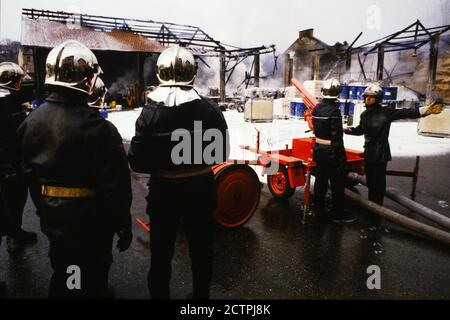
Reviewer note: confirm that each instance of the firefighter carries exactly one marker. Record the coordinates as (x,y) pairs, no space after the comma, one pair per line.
(13,189)
(329,154)
(77,169)
(180,192)
(97,98)
(375,124)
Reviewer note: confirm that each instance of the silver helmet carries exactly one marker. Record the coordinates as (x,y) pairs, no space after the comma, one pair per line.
(72,65)
(331,89)
(11,76)
(176,67)
(374,90)
(98,94)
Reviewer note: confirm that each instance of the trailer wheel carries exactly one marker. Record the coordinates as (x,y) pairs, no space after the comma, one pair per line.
(240,109)
(278,184)
(238,192)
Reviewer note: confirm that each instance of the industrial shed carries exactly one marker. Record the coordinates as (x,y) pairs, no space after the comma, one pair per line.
(123,56)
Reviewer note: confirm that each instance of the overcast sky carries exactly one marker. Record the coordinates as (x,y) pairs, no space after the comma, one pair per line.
(249,23)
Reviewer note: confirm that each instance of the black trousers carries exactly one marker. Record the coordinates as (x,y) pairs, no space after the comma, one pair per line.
(324,172)
(13,196)
(171,204)
(376,180)
(94,261)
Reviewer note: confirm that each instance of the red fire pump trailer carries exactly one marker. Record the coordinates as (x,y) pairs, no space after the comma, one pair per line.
(239,188)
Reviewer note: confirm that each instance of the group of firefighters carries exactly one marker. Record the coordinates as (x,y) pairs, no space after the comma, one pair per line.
(74,165)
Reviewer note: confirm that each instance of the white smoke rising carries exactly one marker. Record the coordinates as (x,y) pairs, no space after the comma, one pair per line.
(210,77)
(120,86)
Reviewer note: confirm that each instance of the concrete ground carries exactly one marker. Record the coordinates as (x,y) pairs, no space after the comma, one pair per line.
(275,256)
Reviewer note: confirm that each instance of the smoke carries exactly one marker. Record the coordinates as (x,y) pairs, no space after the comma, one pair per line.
(209,77)
(439,15)
(120,86)
(273,71)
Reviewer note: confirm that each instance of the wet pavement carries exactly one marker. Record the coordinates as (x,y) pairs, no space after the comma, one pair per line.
(275,256)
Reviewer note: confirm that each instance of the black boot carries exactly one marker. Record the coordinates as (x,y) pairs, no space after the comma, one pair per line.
(17,242)
(344,217)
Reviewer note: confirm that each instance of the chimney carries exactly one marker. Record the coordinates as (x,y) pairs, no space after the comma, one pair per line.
(306,33)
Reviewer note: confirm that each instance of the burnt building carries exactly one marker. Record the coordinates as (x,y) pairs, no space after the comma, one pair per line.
(127,49)
(415,57)
(309,58)
(127,59)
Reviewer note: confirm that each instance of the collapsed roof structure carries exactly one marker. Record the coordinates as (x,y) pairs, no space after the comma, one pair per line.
(45,29)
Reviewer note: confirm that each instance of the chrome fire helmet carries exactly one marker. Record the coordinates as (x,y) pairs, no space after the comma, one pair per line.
(98,93)
(72,65)
(331,89)
(176,67)
(11,76)
(374,90)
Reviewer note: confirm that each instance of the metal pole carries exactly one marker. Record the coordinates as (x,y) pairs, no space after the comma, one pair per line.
(380,62)
(222,77)
(306,196)
(140,69)
(432,69)
(256,71)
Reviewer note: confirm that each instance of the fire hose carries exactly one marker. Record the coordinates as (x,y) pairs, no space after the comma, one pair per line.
(408,203)
(402,220)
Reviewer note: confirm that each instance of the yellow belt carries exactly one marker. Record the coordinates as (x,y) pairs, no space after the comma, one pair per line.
(182,173)
(323,141)
(64,192)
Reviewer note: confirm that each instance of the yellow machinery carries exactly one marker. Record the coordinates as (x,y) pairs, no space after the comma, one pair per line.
(134,95)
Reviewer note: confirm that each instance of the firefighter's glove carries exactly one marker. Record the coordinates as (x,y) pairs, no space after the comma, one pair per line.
(124,242)
(348,130)
(434,108)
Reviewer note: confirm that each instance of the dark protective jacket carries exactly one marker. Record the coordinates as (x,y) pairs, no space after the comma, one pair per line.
(154,145)
(327,122)
(11,116)
(67,144)
(375,124)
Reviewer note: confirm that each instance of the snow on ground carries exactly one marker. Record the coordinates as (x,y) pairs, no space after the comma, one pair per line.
(404,139)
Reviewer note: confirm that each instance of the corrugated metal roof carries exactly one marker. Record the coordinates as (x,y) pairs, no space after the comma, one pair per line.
(48,34)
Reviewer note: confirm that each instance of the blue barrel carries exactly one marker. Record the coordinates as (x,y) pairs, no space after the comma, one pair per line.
(345,92)
(351,109)
(352,92)
(342,107)
(103,113)
(390,93)
(300,109)
(360,91)
(292,114)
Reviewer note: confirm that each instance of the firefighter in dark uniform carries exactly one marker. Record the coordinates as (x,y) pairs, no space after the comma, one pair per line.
(77,169)
(180,192)
(375,124)
(329,154)
(13,189)
(97,98)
